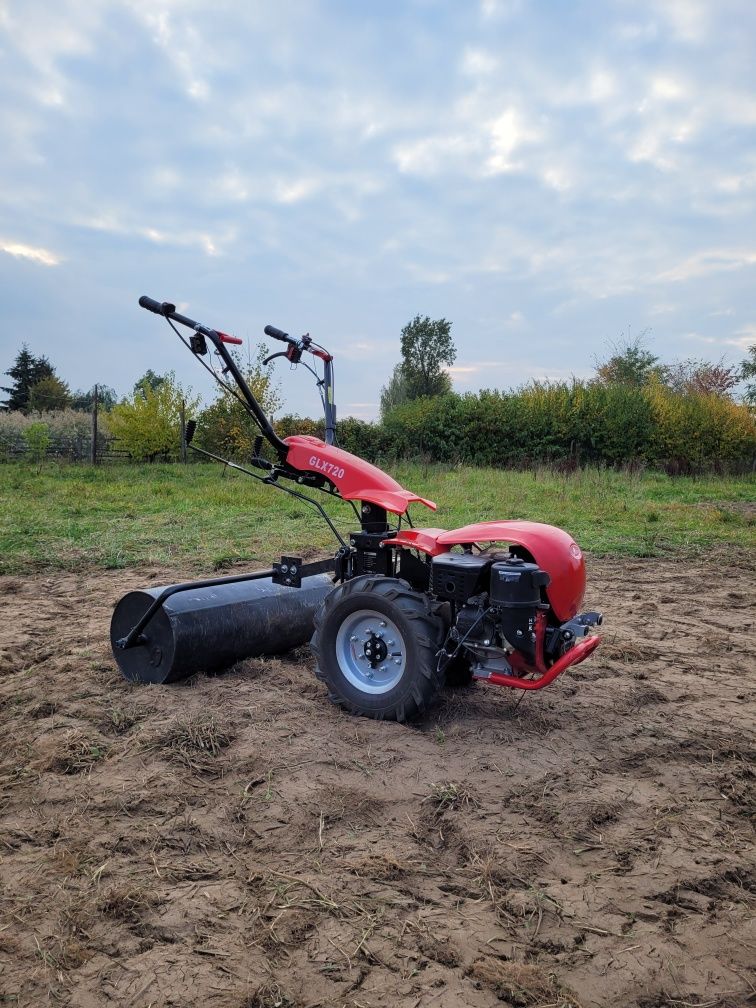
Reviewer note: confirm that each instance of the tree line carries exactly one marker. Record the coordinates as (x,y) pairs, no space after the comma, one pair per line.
(37,388)
(421,414)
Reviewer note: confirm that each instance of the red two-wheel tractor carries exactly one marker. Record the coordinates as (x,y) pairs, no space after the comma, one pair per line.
(401,611)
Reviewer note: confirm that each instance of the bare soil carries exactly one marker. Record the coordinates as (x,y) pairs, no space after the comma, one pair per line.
(236,841)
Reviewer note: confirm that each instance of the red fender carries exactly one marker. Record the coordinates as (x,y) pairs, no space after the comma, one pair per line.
(554,550)
(354,478)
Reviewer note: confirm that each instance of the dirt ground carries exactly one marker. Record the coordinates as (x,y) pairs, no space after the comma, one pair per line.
(236,841)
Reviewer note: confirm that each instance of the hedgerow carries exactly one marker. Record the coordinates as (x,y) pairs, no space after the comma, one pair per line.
(579,423)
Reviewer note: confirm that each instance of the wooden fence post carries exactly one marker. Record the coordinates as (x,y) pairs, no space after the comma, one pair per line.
(183,431)
(94,426)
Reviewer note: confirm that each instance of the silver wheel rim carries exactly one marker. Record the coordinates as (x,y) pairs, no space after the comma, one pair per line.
(362,628)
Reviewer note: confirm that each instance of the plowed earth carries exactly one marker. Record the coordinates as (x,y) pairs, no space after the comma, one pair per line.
(237,841)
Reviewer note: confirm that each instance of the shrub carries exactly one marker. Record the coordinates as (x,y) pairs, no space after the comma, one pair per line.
(576,423)
(37,438)
(148,424)
(70,432)
(226,427)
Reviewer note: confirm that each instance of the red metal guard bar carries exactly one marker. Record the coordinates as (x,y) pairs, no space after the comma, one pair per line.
(575,655)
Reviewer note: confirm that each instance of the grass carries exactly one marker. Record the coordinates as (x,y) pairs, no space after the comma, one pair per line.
(201,518)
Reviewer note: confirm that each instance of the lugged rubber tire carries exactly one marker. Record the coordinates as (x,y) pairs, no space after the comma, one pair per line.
(422,630)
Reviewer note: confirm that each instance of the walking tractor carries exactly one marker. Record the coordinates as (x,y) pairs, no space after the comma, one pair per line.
(398,610)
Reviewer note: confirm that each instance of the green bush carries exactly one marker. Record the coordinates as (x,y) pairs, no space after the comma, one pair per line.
(147,425)
(70,432)
(575,423)
(566,425)
(37,438)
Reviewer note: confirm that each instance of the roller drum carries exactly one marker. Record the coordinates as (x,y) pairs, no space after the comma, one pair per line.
(206,629)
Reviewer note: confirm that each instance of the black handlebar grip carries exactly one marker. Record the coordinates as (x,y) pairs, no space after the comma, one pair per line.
(150,304)
(278,334)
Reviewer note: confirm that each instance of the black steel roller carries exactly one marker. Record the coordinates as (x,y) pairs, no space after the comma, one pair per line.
(207,629)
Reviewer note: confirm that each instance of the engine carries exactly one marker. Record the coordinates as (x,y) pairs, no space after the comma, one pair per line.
(501,618)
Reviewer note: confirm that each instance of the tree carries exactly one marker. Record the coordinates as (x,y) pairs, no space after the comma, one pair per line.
(154,381)
(748,370)
(426,345)
(225,426)
(49,393)
(395,393)
(631,363)
(106,398)
(149,423)
(26,372)
(701,377)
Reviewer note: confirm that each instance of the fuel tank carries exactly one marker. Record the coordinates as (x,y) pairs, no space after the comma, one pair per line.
(207,629)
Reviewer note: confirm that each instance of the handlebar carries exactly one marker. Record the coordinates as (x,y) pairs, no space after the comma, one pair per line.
(150,304)
(278,334)
(297,347)
(293,353)
(168,310)
(218,338)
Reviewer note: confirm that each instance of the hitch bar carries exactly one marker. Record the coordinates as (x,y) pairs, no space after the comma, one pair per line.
(279,576)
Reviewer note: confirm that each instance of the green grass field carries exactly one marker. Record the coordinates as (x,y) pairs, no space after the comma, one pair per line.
(198,517)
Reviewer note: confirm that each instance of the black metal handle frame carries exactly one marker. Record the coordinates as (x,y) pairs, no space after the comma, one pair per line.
(281,469)
(168,311)
(230,367)
(272,480)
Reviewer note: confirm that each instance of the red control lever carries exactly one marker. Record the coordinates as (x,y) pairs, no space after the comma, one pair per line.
(225,338)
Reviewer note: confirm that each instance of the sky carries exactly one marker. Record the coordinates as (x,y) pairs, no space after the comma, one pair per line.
(549,176)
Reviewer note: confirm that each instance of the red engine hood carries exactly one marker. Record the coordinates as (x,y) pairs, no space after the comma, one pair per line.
(354,478)
(554,550)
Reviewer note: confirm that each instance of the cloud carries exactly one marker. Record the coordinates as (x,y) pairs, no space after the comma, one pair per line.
(110,223)
(296,189)
(689,19)
(181,44)
(506,133)
(360,410)
(744,338)
(531,174)
(460,370)
(38,255)
(710,261)
(511,372)
(491,9)
(478,62)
